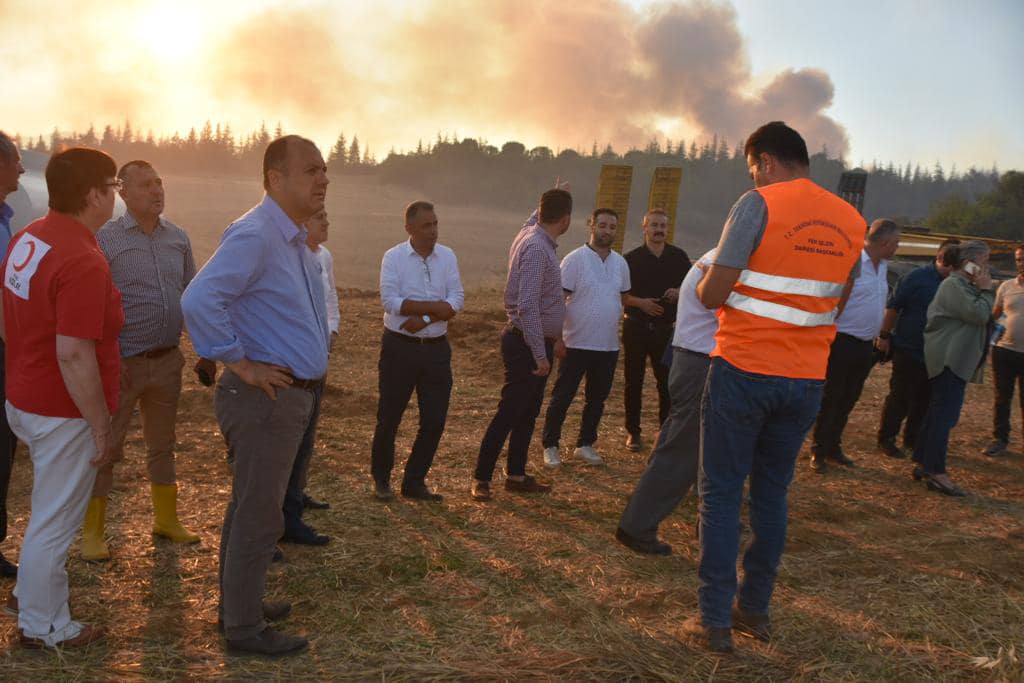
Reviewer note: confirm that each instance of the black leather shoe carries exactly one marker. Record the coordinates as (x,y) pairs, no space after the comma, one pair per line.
(757,626)
(420,492)
(634,442)
(639,545)
(713,638)
(917,473)
(843,458)
(946,487)
(269,643)
(314,504)
(889,448)
(7,568)
(304,535)
(382,491)
(818,463)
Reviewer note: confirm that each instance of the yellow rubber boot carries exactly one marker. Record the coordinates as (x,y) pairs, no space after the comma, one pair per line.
(93,547)
(165,515)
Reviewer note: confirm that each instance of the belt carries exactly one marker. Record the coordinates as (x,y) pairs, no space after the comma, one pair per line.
(856,339)
(648,323)
(515,330)
(416,340)
(307,384)
(155,353)
(692,352)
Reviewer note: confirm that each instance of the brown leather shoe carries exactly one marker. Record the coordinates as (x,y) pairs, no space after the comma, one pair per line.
(269,643)
(757,626)
(88,635)
(480,490)
(714,638)
(527,485)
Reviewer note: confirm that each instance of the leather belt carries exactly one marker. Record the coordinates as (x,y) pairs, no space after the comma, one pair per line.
(515,330)
(307,384)
(416,340)
(155,353)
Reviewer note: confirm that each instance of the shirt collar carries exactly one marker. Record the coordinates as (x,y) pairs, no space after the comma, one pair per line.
(6,212)
(71,225)
(544,233)
(289,230)
(409,251)
(128,221)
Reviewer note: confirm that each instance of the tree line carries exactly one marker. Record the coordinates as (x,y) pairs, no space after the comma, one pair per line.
(471,171)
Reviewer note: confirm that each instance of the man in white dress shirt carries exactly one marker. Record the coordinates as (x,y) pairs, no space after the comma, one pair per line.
(296,530)
(421,291)
(853,354)
(595,280)
(672,467)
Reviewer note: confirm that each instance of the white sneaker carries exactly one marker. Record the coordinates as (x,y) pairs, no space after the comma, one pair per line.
(589,455)
(551,457)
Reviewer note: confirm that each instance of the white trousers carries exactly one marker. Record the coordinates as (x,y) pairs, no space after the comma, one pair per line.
(61,449)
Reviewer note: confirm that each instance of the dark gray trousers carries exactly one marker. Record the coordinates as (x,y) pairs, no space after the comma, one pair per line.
(672,467)
(263,436)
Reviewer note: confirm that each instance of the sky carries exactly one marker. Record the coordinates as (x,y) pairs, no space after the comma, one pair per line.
(920,81)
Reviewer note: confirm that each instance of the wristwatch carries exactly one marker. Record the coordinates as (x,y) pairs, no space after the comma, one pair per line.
(426,319)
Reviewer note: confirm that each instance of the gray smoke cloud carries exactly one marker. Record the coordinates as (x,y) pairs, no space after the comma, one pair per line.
(542,72)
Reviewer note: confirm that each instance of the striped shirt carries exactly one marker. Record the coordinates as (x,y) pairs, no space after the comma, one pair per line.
(534,301)
(151,271)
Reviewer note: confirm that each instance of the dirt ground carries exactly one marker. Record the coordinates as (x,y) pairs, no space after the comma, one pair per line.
(882,580)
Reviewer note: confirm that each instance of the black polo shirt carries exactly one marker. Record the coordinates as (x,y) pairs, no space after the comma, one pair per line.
(650,276)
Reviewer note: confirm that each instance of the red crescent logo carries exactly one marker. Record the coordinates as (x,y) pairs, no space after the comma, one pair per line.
(31,251)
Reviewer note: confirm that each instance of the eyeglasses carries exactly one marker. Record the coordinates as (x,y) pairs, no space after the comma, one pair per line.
(426,268)
(116,184)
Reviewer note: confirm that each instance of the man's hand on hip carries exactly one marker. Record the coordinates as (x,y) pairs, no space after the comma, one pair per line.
(263,375)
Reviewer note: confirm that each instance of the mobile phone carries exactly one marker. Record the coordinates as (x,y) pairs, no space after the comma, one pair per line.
(972,268)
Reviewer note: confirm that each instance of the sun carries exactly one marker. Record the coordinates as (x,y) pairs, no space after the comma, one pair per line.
(176,31)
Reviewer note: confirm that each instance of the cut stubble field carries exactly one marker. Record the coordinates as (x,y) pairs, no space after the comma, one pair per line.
(881,580)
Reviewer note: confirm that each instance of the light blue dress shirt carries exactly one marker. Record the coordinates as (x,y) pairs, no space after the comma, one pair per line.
(260,296)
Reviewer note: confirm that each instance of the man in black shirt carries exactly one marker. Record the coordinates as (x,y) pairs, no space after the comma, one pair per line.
(656,269)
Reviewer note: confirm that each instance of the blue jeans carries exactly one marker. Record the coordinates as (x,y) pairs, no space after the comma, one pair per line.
(599,367)
(752,425)
(944,404)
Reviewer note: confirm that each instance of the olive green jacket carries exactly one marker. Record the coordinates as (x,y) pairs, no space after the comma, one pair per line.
(957,329)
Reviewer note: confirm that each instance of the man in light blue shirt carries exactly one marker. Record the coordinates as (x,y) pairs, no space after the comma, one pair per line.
(258,307)
(10,170)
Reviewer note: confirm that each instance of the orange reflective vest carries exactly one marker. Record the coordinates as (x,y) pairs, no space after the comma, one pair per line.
(780,317)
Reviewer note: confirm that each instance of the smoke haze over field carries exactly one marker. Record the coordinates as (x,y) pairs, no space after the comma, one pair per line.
(541,72)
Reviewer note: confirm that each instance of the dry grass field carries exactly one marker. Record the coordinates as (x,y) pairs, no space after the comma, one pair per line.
(881,580)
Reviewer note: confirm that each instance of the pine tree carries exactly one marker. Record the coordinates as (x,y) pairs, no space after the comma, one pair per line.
(353,152)
(339,153)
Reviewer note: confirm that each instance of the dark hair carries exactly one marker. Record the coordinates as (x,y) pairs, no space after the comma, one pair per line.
(414,208)
(8,150)
(598,212)
(949,253)
(555,205)
(73,173)
(276,155)
(137,163)
(780,141)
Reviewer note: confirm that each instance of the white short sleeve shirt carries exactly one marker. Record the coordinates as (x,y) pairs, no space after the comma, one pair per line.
(696,325)
(593,305)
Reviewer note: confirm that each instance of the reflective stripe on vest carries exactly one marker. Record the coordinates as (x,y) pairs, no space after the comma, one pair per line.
(790,285)
(785,314)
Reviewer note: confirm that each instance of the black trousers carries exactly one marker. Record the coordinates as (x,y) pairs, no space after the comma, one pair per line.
(516,417)
(599,368)
(8,442)
(404,367)
(909,391)
(642,342)
(849,363)
(1008,369)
